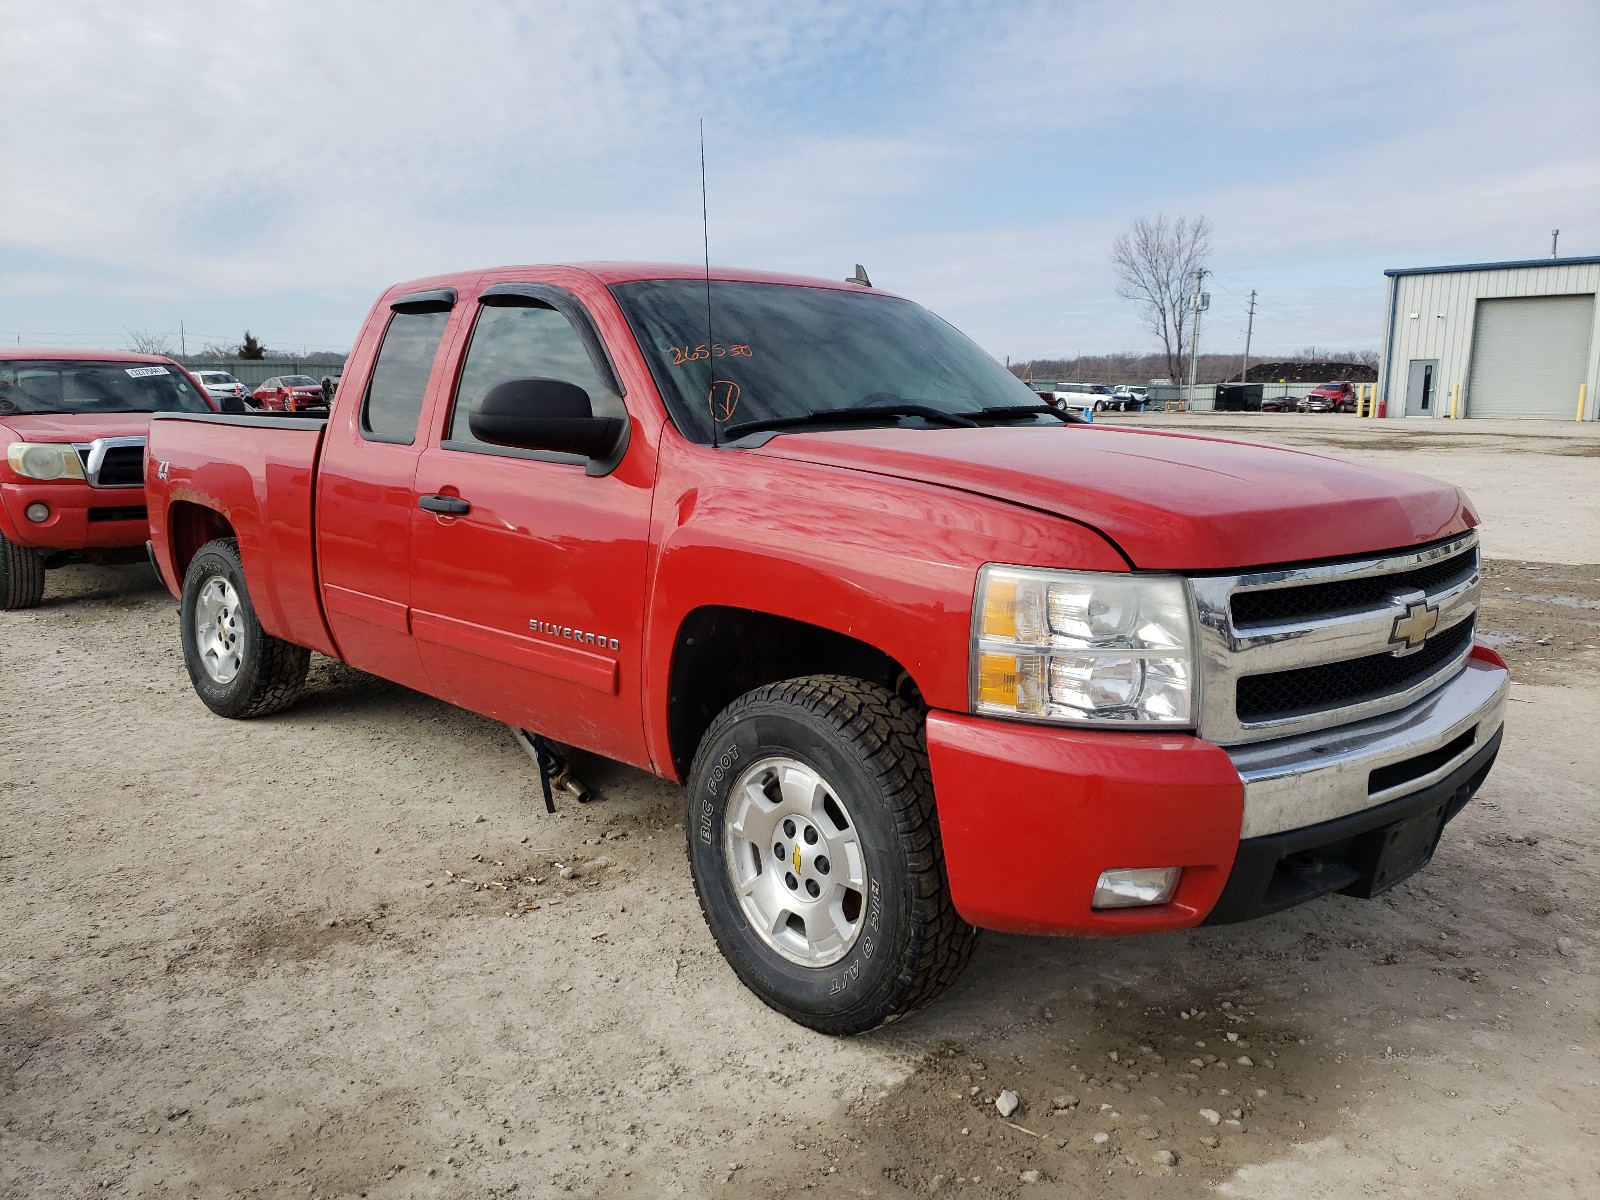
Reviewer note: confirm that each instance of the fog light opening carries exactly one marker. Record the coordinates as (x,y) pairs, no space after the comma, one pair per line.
(38,512)
(1132,887)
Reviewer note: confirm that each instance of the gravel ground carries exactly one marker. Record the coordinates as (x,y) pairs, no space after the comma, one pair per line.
(344,952)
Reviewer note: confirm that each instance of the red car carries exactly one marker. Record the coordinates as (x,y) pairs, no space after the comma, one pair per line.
(72,427)
(290,393)
(928,656)
(1330,397)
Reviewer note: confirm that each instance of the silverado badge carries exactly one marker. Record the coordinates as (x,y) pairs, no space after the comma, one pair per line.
(1411,629)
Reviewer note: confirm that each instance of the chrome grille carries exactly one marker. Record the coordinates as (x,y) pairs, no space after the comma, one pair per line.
(113,462)
(1344,595)
(1284,694)
(1296,649)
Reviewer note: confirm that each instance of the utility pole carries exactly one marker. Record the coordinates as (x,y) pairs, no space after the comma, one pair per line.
(1244,369)
(183,341)
(1554,234)
(1194,337)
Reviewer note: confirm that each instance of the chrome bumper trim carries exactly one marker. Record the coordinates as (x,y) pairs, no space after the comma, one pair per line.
(1297,781)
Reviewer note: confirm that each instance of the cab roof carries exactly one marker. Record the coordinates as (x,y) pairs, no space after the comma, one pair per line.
(608,273)
(77,354)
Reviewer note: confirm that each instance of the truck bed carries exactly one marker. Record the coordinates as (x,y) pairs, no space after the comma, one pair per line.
(259,472)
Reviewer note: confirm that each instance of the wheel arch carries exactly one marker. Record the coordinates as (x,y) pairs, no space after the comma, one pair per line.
(190,526)
(720,653)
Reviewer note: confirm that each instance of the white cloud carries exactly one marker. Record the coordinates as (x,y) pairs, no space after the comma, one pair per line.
(274,164)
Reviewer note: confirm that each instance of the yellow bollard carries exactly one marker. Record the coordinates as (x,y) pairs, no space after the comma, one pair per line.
(1455,401)
(1583,396)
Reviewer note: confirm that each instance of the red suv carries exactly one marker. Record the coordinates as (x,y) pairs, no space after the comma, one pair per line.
(289,393)
(1330,397)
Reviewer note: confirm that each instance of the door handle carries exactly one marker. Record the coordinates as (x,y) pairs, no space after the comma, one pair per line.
(447,506)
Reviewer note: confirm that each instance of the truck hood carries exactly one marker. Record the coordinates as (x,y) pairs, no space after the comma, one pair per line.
(1169,501)
(73,427)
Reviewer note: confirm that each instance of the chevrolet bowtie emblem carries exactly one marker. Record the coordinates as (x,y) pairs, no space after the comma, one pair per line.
(1412,628)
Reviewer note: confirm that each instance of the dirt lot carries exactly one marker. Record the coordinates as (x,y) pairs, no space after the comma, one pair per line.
(335,953)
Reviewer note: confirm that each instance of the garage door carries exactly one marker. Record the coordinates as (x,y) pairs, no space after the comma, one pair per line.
(1529,355)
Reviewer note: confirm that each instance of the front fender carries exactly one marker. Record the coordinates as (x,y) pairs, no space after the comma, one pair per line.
(888,562)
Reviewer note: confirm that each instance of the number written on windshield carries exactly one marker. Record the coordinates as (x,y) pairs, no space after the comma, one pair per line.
(689,354)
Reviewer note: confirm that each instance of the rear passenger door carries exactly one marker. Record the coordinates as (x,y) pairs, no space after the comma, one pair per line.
(364,492)
(528,602)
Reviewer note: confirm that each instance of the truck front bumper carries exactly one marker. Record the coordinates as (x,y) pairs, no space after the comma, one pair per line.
(1031,816)
(80,518)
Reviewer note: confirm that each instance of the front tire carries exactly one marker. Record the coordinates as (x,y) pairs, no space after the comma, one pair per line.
(814,846)
(21,575)
(238,669)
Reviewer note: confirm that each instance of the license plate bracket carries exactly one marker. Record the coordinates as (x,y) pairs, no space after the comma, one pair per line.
(1390,855)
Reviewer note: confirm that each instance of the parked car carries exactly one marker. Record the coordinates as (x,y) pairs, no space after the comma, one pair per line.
(928,657)
(1128,398)
(1078,403)
(72,425)
(1339,396)
(290,394)
(222,387)
(1281,404)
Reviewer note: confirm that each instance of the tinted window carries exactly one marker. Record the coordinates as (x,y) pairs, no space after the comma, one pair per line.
(400,377)
(55,386)
(782,351)
(524,340)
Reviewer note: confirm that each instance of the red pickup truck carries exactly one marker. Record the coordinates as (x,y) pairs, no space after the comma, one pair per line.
(929,655)
(72,424)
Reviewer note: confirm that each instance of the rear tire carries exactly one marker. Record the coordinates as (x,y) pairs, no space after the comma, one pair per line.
(238,669)
(814,846)
(21,575)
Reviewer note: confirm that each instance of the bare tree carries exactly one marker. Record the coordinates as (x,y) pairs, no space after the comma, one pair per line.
(142,342)
(1156,262)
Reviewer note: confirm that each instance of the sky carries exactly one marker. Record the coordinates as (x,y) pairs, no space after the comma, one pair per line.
(215,165)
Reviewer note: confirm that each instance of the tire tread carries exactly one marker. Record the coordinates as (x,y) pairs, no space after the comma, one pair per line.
(21,576)
(280,667)
(888,734)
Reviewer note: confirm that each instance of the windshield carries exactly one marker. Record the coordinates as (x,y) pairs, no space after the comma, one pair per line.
(783,350)
(299,381)
(52,386)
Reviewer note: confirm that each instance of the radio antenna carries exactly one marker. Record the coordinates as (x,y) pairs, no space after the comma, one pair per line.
(705,232)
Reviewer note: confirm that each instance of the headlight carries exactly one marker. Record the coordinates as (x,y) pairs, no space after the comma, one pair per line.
(44,460)
(1080,647)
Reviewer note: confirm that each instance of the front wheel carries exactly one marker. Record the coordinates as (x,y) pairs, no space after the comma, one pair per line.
(815,851)
(238,668)
(21,575)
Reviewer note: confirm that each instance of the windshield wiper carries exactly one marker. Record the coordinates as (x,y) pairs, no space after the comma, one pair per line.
(1006,410)
(854,415)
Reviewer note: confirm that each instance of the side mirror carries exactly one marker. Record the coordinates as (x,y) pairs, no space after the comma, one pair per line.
(543,414)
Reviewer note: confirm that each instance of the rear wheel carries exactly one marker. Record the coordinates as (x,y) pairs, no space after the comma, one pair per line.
(815,851)
(21,575)
(238,668)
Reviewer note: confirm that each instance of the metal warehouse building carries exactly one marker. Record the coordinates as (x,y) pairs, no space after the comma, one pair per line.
(1513,339)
